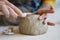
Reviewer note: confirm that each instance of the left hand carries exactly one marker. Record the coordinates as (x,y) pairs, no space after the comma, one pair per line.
(45,8)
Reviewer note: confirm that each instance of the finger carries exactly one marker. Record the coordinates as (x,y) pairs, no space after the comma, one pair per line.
(39,12)
(2,0)
(5,11)
(12,12)
(18,11)
(0,7)
(1,3)
(45,21)
(51,24)
(43,16)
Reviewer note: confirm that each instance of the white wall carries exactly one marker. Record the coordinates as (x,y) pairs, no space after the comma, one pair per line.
(56,16)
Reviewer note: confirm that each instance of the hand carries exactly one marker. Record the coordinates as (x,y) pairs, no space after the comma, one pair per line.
(9,10)
(45,8)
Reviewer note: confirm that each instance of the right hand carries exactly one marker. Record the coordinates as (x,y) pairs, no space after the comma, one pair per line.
(10,10)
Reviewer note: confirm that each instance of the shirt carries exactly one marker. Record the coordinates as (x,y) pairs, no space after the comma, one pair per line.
(27,5)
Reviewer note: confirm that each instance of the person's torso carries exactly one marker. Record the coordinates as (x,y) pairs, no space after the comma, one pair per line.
(29,5)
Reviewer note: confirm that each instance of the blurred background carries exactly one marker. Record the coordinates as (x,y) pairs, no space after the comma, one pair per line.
(56,16)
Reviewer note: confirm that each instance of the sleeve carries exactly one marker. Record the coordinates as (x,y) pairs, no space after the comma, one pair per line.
(50,2)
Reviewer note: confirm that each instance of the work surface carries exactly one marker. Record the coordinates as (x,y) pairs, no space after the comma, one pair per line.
(53,33)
